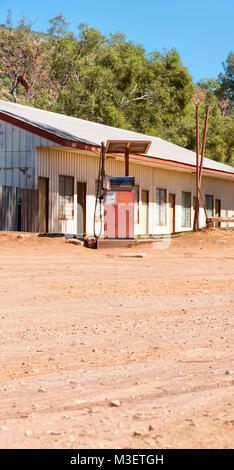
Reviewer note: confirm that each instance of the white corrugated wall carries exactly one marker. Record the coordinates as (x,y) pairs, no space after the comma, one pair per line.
(52,162)
(17,155)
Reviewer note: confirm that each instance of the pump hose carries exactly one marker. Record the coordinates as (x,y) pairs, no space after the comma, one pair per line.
(95,209)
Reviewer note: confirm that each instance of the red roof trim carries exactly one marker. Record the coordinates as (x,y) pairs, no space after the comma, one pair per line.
(161,161)
(46,134)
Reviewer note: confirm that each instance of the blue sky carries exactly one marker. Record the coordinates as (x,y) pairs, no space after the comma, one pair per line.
(202,30)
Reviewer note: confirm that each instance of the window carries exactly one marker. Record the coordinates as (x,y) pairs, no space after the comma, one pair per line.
(160,206)
(209,203)
(66,197)
(136,205)
(186,209)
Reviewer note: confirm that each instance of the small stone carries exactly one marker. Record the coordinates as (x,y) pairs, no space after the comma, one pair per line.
(54,433)
(91,242)
(79,402)
(36,371)
(28,433)
(138,433)
(74,241)
(229,372)
(150,428)
(3,428)
(93,410)
(115,403)
(132,255)
(41,389)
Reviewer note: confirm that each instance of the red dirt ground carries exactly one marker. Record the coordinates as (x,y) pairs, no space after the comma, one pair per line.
(80,328)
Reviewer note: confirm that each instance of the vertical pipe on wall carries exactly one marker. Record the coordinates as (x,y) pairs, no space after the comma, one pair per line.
(103,162)
(203,145)
(127,162)
(196,218)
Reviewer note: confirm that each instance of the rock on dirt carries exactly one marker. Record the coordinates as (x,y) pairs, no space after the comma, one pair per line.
(115,403)
(133,255)
(90,242)
(74,241)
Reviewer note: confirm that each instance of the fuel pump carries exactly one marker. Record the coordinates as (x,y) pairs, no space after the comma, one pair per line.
(117,193)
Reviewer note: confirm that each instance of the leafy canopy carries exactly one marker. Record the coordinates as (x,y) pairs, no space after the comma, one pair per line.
(114,81)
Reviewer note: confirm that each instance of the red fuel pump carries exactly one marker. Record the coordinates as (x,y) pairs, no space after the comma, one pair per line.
(119,208)
(117,192)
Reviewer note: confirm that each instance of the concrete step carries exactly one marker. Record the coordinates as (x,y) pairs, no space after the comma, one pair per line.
(115,243)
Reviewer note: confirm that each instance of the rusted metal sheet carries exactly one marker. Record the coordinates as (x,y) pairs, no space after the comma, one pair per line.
(30,210)
(9,208)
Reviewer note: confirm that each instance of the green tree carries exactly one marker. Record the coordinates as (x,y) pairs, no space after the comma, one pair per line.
(114,81)
(226,79)
(17,54)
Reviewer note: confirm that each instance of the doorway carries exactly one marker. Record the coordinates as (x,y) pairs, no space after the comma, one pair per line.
(194,207)
(144,212)
(43,187)
(217,211)
(172,213)
(81,209)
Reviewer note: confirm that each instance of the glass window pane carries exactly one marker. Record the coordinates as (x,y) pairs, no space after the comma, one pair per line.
(65,199)
(186,209)
(209,204)
(160,206)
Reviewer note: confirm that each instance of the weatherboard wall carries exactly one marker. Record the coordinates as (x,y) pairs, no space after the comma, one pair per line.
(52,162)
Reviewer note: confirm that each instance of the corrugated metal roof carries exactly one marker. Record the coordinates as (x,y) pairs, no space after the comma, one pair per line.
(92,133)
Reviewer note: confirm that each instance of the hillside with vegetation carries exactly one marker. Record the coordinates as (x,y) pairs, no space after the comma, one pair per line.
(114,81)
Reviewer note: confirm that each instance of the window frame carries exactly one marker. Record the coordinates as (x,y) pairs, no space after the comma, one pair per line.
(64,217)
(210,196)
(184,208)
(159,205)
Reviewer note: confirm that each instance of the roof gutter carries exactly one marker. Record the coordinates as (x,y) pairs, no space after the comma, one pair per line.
(173,163)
